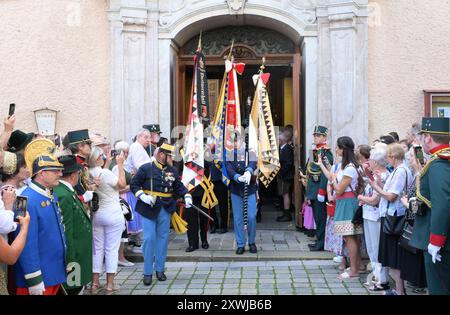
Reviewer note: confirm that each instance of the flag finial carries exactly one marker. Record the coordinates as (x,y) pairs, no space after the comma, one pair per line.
(263,64)
(200,41)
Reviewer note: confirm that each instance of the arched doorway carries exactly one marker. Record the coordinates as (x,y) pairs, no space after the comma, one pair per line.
(251,44)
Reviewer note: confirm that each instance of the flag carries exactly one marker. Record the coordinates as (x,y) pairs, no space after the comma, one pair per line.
(228,118)
(262,138)
(193,157)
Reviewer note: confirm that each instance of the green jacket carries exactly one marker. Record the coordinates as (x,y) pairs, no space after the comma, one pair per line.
(78,230)
(433,188)
(314,173)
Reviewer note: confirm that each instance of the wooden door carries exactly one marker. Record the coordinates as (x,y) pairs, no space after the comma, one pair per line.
(298,133)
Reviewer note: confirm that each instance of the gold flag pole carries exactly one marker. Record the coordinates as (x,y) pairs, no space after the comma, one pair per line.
(231,50)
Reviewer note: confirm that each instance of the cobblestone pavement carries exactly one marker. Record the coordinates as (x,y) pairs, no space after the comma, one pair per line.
(308,277)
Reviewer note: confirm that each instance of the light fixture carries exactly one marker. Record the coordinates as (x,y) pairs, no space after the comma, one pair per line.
(46,121)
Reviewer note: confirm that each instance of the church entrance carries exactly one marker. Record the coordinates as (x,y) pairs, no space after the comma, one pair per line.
(283,62)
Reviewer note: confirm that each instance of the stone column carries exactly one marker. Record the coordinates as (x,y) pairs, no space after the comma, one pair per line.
(311,84)
(134,74)
(343,51)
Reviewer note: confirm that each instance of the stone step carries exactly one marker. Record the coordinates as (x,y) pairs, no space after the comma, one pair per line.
(230,255)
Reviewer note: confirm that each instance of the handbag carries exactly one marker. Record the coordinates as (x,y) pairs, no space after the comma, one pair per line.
(392,224)
(405,238)
(331,208)
(308,216)
(358,216)
(126,210)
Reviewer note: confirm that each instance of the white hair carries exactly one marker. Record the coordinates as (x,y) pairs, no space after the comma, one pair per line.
(378,153)
(93,156)
(141,132)
(122,146)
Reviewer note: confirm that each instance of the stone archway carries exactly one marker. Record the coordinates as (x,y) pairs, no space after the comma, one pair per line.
(146,36)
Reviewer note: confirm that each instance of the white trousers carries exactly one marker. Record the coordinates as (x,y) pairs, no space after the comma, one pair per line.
(372,230)
(107,233)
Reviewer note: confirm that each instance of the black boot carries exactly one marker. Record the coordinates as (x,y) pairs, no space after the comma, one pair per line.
(286,217)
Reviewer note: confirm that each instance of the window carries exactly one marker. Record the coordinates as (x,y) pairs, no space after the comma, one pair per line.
(437,103)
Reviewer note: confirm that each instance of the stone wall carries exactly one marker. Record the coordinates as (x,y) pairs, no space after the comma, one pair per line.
(408,52)
(56,54)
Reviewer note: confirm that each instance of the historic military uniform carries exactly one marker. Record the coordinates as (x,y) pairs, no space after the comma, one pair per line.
(432,223)
(76,137)
(236,169)
(78,230)
(152,128)
(316,189)
(42,261)
(162,182)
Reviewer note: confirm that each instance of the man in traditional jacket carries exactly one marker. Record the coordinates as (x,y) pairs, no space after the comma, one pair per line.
(432,221)
(41,268)
(78,228)
(80,146)
(157,186)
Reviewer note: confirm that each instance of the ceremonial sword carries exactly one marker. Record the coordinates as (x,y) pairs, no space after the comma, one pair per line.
(202,212)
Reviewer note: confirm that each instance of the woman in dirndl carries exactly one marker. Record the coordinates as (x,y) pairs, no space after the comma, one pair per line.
(346,183)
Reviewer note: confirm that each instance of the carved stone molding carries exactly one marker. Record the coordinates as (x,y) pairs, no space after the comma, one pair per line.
(262,41)
(236,6)
(134,21)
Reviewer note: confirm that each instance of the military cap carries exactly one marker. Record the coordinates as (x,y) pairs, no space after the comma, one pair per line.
(320,130)
(167,148)
(78,136)
(19,140)
(45,162)
(152,128)
(438,126)
(69,163)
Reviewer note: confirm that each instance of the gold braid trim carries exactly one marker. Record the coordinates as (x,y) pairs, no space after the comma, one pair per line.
(422,174)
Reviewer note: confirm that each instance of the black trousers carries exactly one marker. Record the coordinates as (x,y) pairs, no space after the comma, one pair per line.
(320,217)
(221,192)
(195,221)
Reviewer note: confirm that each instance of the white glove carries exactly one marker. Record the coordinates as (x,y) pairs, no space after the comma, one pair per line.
(245,178)
(88,195)
(188,201)
(434,252)
(148,199)
(320,198)
(37,289)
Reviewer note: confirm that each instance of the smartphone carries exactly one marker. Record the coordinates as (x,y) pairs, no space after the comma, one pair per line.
(12,109)
(20,206)
(57,140)
(115,153)
(369,174)
(418,152)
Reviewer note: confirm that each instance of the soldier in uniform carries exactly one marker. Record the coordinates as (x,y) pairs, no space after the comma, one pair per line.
(157,186)
(155,135)
(432,207)
(41,268)
(80,145)
(316,185)
(77,225)
(241,174)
